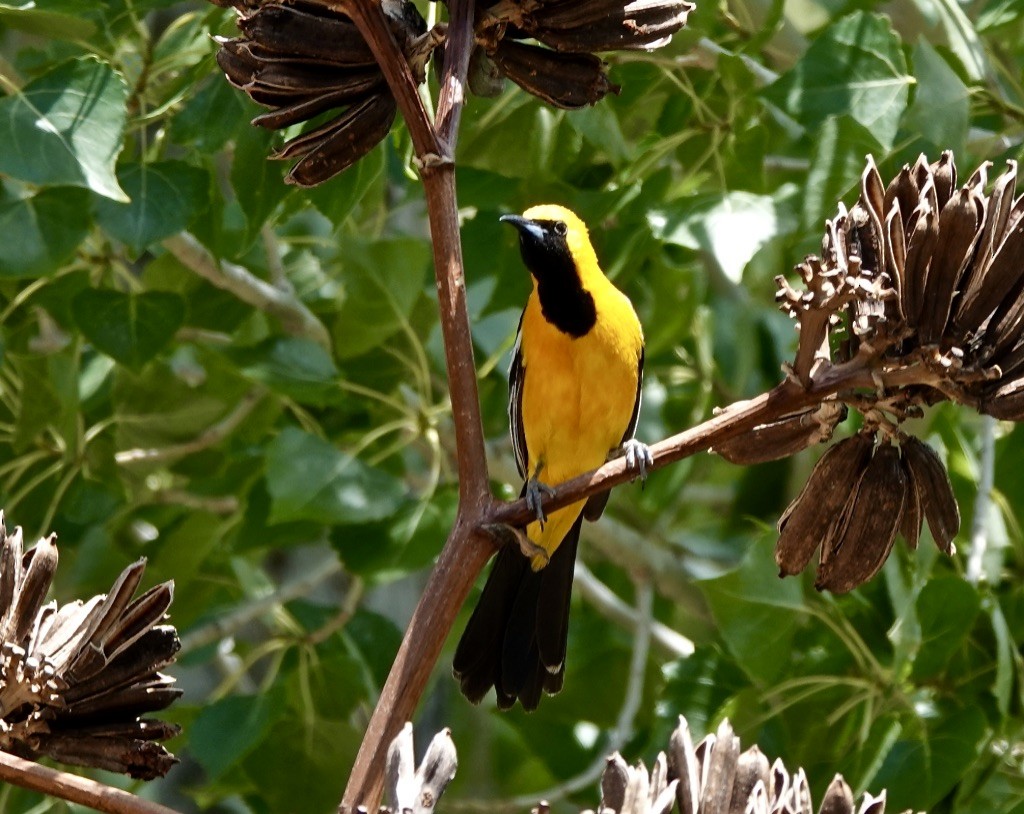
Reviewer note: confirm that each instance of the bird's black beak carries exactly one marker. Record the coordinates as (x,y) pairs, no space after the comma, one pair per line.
(527,228)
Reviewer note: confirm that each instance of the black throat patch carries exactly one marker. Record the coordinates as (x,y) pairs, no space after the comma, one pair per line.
(564,301)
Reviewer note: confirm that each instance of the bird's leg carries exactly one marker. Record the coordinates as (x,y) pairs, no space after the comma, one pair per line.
(505,534)
(637,454)
(535,492)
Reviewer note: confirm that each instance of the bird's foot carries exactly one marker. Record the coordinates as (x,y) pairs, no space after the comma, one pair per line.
(505,534)
(535,493)
(638,457)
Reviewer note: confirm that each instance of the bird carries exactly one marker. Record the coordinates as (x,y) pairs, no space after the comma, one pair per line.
(574,400)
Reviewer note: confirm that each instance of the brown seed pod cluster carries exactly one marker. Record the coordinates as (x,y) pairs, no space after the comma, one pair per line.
(711,777)
(303,60)
(306,61)
(76,679)
(715,777)
(561,66)
(920,287)
(859,495)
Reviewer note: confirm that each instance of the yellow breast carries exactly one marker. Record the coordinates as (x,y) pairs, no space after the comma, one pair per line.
(578,396)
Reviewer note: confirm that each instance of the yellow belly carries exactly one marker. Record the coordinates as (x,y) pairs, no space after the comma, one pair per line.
(578,397)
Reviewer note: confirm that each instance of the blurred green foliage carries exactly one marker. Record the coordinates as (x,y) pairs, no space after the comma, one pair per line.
(144,411)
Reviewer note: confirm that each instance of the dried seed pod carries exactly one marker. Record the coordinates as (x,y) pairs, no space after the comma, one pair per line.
(944,173)
(607,25)
(75,679)
(289,29)
(752,769)
(809,518)
(870,530)
(720,771)
(838,798)
(339,143)
(1006,403)
(938,503)
(923,234)
(960,225)
(788,436)
(564,80)
(683,766)
(910,523)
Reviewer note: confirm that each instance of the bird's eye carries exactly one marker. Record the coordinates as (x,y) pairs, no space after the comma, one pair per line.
(560,228)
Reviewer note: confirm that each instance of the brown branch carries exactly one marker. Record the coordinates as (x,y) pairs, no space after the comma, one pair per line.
(74,789)
(466,551)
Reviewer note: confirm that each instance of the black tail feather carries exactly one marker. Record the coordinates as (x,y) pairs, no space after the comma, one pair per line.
(516,637)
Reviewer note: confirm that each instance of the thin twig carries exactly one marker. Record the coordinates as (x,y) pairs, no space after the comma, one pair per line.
(239,618)
(74,789)
(590,588)
(295,317)
(983,501)
(212,436)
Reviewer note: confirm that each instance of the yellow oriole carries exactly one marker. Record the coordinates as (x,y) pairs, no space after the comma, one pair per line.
(574,399)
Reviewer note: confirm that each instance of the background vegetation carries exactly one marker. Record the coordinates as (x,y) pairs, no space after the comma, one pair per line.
(289,464)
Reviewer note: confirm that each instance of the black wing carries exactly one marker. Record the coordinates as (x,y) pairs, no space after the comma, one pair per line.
(516,374)
(594,507)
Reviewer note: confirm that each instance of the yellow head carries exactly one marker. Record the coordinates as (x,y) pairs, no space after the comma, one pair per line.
(554,241)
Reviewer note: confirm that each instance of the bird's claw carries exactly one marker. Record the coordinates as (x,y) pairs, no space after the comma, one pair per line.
(535,493)
(638,457)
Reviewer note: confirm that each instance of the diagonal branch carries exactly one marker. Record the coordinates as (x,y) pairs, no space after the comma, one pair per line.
(73,788)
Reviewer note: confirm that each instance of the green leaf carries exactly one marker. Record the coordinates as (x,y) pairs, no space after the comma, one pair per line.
(942,107)
(855,67)
(309,479)
(129,328)
(59,19)
(50,225)
(165,197)
(296,368)
(918,773)
(731,227)
(66,128)
(296,768)
(382,281)
(229,729)
(757,612)
(946,610)
(258,182)
(836,164)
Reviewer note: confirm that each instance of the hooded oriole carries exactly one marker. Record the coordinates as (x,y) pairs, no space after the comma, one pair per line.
(574,399)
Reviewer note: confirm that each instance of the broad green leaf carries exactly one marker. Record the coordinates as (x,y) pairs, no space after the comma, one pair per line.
(66,128)
(836,165)
(959,34)
(756,612)
(227,730)
(918,773)
(129,328)
(212,115)
(382,281)
(295,769)
(165,197)
(946,610)
(856,67)
(941,110)
(49,226)
(296,368)
(258,181)
(729,227)
(59,19)
(309,479)
(343,194)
